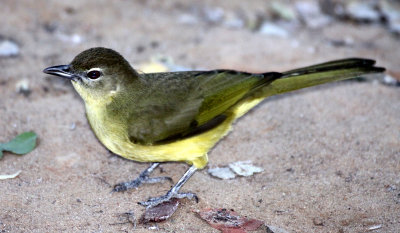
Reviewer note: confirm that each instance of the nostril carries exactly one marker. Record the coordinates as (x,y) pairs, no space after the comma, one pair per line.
(65,68)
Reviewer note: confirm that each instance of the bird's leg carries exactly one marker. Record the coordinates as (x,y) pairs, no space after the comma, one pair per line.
(173,192)
(142,179)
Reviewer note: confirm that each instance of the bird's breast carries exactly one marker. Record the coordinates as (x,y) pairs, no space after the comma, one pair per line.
(109,128)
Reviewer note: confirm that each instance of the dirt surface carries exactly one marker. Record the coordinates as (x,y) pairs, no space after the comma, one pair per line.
(331,154)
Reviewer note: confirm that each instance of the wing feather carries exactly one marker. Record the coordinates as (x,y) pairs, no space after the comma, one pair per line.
(189,101)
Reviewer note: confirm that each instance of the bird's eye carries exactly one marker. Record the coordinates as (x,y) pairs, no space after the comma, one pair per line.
(94,74)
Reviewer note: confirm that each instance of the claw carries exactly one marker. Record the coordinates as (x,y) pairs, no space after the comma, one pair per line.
(121,187)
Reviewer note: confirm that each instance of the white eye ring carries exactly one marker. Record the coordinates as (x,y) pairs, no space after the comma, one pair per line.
(94,73)
(95,69)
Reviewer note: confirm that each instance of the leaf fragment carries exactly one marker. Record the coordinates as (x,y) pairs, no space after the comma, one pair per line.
(160,212)
(21,144)
(11,176)
(228,221)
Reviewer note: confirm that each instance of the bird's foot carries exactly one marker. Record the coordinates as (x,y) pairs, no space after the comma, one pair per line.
(142,179)
(154,201)
(120,187)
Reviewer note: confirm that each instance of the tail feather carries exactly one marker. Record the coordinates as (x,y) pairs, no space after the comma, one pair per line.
(322,73)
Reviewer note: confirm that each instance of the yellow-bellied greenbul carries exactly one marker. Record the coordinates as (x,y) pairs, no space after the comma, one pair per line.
(178,116)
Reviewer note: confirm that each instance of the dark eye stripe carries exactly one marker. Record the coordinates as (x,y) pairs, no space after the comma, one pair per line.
(94,74)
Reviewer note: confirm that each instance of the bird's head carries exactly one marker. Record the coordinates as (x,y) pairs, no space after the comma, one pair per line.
(96,72)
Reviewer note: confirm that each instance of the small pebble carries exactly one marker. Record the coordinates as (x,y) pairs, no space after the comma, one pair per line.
(188,19)
(311,14)
(233,21)
(273,30)
(362,11)
(73,39)
(8,48)
(375,227)
(214,15)
(389,80)
(22,87)
(390,10)
(318,221)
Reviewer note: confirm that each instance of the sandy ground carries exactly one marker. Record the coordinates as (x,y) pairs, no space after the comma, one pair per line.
(331,154)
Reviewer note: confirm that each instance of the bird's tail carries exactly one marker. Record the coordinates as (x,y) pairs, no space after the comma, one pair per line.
(322,73)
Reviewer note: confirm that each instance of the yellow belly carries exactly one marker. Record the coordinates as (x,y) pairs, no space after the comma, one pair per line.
(192,150)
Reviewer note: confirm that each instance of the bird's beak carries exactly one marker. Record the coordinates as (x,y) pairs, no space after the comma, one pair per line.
(62,71)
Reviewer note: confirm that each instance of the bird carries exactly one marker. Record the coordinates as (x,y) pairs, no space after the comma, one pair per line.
(179,116)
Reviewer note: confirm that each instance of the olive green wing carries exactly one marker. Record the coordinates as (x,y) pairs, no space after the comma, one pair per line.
(179,104)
